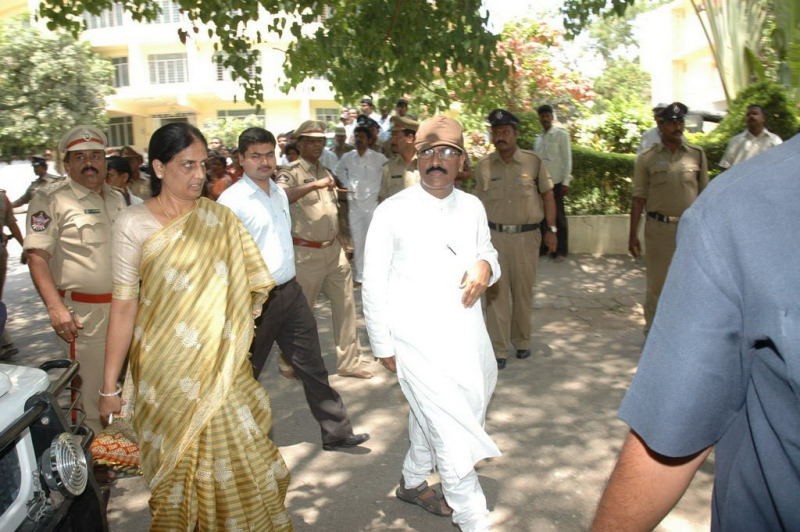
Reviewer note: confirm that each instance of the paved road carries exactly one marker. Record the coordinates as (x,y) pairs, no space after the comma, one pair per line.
(553,416)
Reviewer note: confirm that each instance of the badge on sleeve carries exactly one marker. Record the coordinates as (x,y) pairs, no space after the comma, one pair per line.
(40,221)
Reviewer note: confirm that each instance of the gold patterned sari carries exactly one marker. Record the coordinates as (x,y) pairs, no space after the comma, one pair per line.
(201,418)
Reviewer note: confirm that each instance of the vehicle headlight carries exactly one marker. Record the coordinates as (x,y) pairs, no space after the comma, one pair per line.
(64,465)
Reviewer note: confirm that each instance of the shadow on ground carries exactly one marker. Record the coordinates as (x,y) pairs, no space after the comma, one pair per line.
(553,416)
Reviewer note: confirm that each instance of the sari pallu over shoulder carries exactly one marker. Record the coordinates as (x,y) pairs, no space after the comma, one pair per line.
(202,277)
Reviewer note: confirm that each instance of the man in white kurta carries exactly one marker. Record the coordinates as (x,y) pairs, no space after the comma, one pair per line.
(429,257)
(361,171)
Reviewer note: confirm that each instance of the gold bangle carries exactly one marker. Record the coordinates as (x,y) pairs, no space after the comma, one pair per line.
(113,394)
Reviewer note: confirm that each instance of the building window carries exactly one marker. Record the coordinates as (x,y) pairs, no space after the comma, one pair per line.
(167,68)
(328,115)
(120,71)
(224,74)
(120,131)
(170,12)
(165,119)
(224,114)
(106,19)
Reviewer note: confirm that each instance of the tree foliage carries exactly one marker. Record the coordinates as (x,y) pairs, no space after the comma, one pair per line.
(229,129)
(48,84)
(361,46)
(538,73)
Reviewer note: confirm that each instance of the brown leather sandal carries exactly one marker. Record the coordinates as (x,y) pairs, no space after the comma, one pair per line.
(425,497)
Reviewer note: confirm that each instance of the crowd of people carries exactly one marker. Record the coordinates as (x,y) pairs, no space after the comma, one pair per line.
(189,268)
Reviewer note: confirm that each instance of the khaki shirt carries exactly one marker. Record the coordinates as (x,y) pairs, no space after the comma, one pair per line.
(141,186)
(511,192)
(73,225)
(315,215)
(397,175)
(670,182)
(6,217)
(38,183)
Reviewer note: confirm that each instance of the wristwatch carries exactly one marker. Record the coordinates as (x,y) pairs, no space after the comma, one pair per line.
(553,228)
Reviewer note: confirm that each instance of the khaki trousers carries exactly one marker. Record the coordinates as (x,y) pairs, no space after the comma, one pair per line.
(659,238)
(510,300)
(90,353)
(327,270)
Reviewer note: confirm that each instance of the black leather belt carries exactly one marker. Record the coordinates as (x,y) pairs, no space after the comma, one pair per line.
(663,218)
(284,285)
(506,228)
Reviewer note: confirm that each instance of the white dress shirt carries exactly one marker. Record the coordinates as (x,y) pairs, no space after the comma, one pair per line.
(267,219)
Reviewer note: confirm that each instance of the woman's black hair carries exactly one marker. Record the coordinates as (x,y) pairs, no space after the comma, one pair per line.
(166,142)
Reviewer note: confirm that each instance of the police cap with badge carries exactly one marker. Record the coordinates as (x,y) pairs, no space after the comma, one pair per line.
(674,111)
(501,117)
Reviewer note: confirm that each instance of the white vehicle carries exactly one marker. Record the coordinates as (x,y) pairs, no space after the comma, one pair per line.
(46,478)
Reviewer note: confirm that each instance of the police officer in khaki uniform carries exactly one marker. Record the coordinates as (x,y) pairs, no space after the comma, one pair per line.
(667,179)
(68,247)
(517,193)
(321,262)
(139,182)
(7,219)
(400,172)
(43,177)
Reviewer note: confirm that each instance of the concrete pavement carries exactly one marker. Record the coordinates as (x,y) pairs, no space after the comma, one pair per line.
(553,416)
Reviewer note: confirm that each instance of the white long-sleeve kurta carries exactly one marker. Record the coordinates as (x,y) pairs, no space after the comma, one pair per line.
(418,250)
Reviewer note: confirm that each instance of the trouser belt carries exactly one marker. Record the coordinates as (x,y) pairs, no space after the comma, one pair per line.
(663,218)
(310,243)
(86,298)
(506,228)
(284,285)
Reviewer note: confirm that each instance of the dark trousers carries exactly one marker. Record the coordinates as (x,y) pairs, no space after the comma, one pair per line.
(561,224)
(287,319)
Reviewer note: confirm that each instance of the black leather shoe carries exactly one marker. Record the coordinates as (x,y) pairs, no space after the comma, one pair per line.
(501,363)
(523,353)
(354,440)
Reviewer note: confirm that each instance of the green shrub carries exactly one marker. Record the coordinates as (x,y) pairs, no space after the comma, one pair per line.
(601,182)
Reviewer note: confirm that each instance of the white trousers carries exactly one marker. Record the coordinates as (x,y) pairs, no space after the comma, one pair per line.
(464,495)
(360,215)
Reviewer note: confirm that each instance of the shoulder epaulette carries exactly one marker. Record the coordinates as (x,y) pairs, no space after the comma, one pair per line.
(49,188)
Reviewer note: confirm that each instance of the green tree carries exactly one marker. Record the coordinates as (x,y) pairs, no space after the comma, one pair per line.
(228,129)
(48,83)
(361,46)
(538,72)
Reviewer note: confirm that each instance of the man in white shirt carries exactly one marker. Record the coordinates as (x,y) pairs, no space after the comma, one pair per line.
(429,259)
(361,171)
(554,148)
(752,141)
(263,208)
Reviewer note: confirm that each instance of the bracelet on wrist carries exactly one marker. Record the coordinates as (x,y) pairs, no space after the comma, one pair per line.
(113,394)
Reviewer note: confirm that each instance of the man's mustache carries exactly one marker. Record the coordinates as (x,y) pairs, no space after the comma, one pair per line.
(434,169)
(90,167)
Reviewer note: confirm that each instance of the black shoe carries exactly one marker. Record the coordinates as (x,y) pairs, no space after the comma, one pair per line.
(501,363)
(523,353)
(354,440)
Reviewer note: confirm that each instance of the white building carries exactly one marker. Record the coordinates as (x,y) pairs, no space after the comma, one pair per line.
(675,52)
(159,80)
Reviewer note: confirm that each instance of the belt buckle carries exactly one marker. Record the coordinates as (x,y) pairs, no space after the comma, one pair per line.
(507,229)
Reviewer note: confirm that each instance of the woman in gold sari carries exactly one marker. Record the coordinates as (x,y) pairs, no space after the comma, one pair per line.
(201,419)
